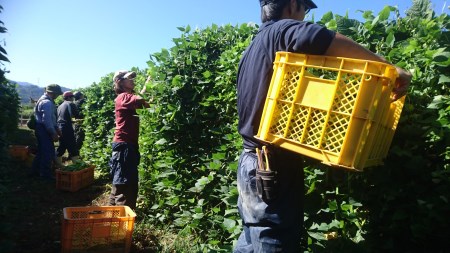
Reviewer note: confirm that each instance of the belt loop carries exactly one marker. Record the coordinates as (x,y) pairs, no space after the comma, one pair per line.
(249,150)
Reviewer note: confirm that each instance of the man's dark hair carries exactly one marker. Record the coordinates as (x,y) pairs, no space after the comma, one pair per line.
(78,95)
(118,87)
(274,9)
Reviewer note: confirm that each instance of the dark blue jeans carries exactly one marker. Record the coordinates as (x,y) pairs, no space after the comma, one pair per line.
(42,162)
(67,141)
(124,173)
(274,226)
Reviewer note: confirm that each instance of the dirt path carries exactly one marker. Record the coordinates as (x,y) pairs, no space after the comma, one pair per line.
(32,209)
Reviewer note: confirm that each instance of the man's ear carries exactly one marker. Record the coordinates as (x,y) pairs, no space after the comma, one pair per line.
(292,7)
(294,4)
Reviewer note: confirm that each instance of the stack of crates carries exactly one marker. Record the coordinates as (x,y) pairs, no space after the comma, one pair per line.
(337,110)
(97,229)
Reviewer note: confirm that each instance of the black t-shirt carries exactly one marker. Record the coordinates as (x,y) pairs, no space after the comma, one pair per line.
(256,66)
(65,112)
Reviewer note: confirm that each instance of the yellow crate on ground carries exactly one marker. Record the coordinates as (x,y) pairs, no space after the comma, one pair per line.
(74,180)
(97,229)
(336,110)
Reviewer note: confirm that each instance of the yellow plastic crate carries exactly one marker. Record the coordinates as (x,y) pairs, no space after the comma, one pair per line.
(74,180)
(97,229)
(337,110)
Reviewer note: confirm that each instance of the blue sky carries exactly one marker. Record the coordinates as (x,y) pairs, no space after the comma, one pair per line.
(76,42)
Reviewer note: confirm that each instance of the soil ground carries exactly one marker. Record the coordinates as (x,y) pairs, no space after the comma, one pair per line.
(31,209)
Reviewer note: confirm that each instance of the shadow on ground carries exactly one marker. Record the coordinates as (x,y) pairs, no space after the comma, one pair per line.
(32,209)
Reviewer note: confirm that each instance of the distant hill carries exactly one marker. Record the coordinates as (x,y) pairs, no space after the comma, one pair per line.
(27,90)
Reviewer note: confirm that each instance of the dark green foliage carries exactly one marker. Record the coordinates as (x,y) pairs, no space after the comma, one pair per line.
(189,139)
(403,205)
(77,166)
(9,117)
(98,122)
(9,104)
(189,142)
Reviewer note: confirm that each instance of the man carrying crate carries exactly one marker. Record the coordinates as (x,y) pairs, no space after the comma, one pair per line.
(270,180)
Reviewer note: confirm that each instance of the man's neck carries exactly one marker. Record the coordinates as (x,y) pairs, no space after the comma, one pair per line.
(49,95)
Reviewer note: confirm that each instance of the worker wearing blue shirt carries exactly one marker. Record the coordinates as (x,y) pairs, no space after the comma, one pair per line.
(46,131)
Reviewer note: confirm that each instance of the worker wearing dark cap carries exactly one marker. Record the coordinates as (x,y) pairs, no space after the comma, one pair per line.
(66,112)
(272,219)
(125,157)
(46,131)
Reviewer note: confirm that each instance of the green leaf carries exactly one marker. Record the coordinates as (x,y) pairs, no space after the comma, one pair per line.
(198,216)
(3,58)
(229,224)
(384,14)
(174,201)
(176,81)
(368,15)
(2,50)
(311,188)
(335,224)
(161,142)
(390,39)
(214,165)
(327,17)
(202,181)
(207,74)
(332,205)
(375,20)
(346,207)
(444,79)
(332,25)
(219,156)
(317,236)
(231,211)
(442,58)
(347,26)
(323,227)
(437,102)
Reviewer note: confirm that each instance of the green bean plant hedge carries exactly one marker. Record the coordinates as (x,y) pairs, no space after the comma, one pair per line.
(9,104)
(190,146)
